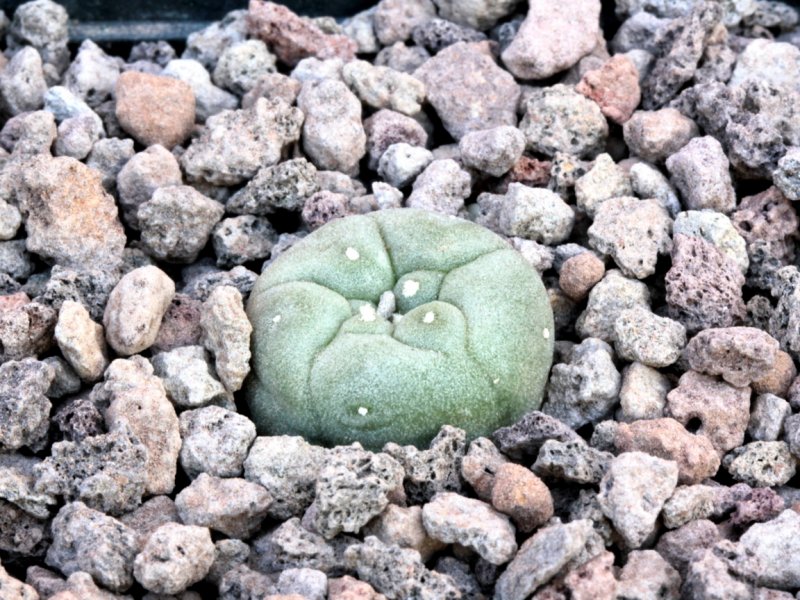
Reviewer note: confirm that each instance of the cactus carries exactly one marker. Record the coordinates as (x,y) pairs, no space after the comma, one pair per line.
(463,336)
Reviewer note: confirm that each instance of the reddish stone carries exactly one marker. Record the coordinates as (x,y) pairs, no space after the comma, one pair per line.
(180,325)
(777,379)
(762,504)
(530,171)
(521,495)
(12,301)
(293,38)
(738,354)
(579,274)
(614,86)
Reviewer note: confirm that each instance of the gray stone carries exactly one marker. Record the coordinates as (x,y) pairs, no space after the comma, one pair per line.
(168,206)
(290,546)
(77,136)
(215,441)
(492,151)
(241,64)
(643,393)
(10,220)
(572,461)
(633,492)
(16,589)
(605,180)
(141,176)
(29,133)
(24,407)
(612,295)
(647,575)
(400,163)
(478,15)
(202,280)
(236,144)
(26,330)
(175,557)
(398,572)
(648,182)
(479,466)
(559,119)
(226,334)
(774,546)
(206,45)
(188,377)
(428,472)
(66,381)
(151,515)
(442,187)
(451,518)
(383,87)
(15,261)
(284,186)
(43,25)
(232,506)
(209,99)
(553,37)
(761,464)
(641,336)
(657,135)
(528,435)
(716,228)
(468,90)
(634,232)
(135,308)
(760,60)
(543,555)
(87,540)
(701,172)
(400,57)
(387,127)
(93,74)
(585,389)
(353,486)
(242,581)
(689,503)
(333,134)
(22,83)
(310,584)
(395,19)
(787,176)
(17,480)
(228,554)
(436,34)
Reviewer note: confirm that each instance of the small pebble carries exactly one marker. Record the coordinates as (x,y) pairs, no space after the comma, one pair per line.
(657,135)
(522,496)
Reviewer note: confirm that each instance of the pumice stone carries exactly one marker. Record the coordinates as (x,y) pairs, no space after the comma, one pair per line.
(386,326)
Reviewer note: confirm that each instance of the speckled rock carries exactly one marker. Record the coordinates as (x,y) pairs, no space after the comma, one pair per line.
(441,187)
(382,87)
(545,554)
(633,491)
(180,325)
(24,407)
(760,58)
(241,64)
(573,461)
(608,298)
(290,546)
(142,175)
(738,354)
(620,220)
(154,109)
(403,527)
(657,135)
(175,557)
(641,336)
(468,90)
(435,34)
(773,545)
(283,186)
(721,409)
(761,464)
(209,99)
(716,228)
(529,213)
(559,119)
(135,308)
(700,170)
(395,19)
(585,389)
(614,86)
(226,334)
(553,37)
(177,204)
(15,588)
(206,45)
(777,379)
(605,180)
(232,506)
(87,540)
(151,515)
(241,579)
(353,486)
(646,575)
(648,182)
(292,37)
(288,467)
(81,341)
(689,503)
(68,216)
(22,83)
(479,466)
(493,151)
(678,547)
(386,128)
(704,286)
(434,470)
(215,441)
(26,330)
(767,417)
(43,25)
(527,436)
(188,377)
(236,144)
(135,397)
(665,438)
(787,176)
(400,163)
(333,135)
(92,74)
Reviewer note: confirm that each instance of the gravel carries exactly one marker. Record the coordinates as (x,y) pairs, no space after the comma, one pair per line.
(650,179)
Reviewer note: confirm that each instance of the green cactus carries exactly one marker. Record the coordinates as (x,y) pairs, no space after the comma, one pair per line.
(470,343)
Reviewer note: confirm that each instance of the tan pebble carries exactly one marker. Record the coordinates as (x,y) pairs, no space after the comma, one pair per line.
(521,495)
(777,379)
(579,274)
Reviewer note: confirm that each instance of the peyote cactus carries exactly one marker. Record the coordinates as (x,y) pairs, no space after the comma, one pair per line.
(383,327)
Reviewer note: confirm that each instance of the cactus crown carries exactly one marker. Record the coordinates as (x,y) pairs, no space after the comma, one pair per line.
(386,326)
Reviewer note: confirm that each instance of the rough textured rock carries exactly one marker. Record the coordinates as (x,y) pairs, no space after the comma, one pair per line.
(641,336)
(721,409)
(773,546)
(226,334)
(646,574)
(614,86)
(284,186)
(522,496)
(404,527)
(24,407)
(215,441)
(573,461)
(701,172)
(69,218)
(761,464)
(87,540)
(665,438)
(441,187)
(135,308)
(468,90)
(608,298)
(81,341)
(154,109)
(175,557)
(188,377)
(493,151)
(236,144)
(704,286)
(633,491)
(716,228)
(333,135)
(559,119)
(452,518)
(553,37)
(136,399)
(657,135)
(142,175)
(382,87)
(739,354)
